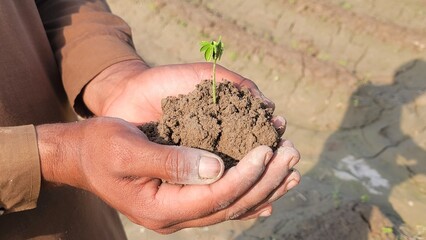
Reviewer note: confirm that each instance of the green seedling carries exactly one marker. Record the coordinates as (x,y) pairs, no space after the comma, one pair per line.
(212,52)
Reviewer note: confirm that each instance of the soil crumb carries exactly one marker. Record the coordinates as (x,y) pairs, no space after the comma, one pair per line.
(237,123)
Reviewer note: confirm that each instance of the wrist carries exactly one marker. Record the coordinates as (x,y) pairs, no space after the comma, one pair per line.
(59,153)
(101,91)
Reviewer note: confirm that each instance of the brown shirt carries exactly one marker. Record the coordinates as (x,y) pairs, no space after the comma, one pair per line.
(49,50)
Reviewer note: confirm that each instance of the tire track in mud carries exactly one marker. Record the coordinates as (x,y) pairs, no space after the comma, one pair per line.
(361,23)
(358,22)
(407,13)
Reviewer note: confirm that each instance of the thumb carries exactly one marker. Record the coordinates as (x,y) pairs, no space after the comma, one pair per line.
(182,165)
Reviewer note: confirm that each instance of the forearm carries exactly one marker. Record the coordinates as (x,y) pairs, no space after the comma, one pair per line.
(86,38)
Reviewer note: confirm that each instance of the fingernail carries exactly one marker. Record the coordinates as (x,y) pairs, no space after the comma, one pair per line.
(209,167)
(280,121)
(266,213)
(292,184)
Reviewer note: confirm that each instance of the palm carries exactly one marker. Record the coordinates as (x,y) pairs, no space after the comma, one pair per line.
(140,101)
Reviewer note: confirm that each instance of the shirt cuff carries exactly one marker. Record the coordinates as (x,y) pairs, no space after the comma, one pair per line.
(20,176)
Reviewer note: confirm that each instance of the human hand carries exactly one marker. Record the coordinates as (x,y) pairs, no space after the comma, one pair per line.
(132,91)
(115,161)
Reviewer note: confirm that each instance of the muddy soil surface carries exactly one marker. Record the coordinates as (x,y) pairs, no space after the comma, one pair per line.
(349,76)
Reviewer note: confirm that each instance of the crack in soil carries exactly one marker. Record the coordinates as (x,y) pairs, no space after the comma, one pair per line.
(394,145)
(357,62)
(365,219)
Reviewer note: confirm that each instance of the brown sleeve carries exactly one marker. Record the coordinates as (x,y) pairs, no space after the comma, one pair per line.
(86,38)
(19,169)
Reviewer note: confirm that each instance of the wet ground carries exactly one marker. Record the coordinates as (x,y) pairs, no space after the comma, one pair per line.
(349,76)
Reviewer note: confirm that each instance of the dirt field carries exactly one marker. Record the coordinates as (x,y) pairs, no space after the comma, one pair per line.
(349,76)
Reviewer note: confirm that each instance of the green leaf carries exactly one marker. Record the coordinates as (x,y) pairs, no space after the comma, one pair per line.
(204,47)
(217,49)
(202,43)
(208,55)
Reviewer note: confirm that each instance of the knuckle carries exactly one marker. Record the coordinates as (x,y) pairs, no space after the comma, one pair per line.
(172,165)
(289,154)
(232,215)
(220,205)
(176,168)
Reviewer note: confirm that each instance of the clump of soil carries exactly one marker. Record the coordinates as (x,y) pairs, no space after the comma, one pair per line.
(237,123)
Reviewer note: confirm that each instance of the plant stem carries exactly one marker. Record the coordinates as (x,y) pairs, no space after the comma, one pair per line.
(214,82)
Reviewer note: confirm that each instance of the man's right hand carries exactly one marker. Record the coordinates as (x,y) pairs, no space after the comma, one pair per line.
(143,180)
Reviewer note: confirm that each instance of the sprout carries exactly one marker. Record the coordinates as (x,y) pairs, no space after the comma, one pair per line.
(212,52)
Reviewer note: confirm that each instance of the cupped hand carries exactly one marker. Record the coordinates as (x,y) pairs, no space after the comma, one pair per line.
(114,160)
(132,91)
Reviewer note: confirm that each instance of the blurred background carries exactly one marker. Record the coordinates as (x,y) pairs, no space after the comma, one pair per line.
(350,78)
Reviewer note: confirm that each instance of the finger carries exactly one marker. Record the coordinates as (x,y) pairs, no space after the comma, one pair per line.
(255,91)
(280,124)
(286,151)
(291,181)
(277,169)
(286,143)
(195,201)
(264,211)
(177,164)
(242,82)
(277,173)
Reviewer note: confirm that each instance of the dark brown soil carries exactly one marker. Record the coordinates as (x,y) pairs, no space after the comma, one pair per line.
(238,122)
